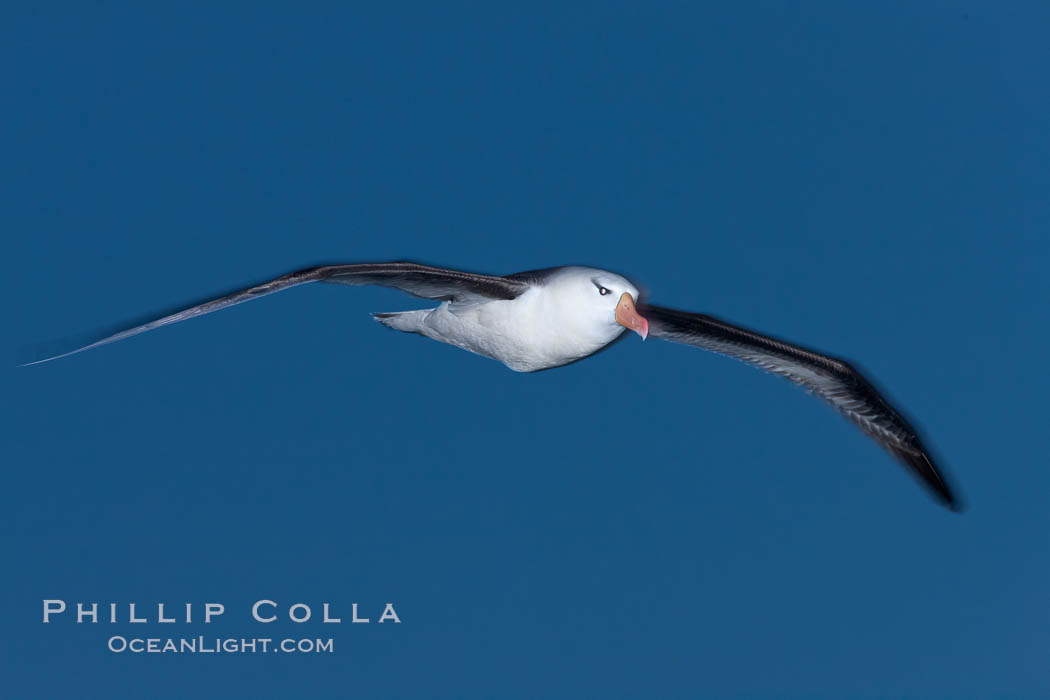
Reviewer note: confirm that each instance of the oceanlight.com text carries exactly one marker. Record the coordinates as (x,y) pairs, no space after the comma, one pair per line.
(218,645)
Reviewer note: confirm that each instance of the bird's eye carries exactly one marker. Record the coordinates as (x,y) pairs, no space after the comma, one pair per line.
(603,291)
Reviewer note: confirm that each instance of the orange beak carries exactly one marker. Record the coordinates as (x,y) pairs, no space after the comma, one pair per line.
(628,317)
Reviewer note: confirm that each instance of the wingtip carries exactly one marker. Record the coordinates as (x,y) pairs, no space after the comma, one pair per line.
(931,476)
(32,362)
(48,359)
(952,502)
(947,499)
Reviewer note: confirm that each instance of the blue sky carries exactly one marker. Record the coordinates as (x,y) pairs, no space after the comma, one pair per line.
(655,521)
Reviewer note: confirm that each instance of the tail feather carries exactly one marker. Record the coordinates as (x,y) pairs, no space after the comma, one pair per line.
(407,321)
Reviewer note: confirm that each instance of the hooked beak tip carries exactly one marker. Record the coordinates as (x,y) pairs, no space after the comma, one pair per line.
(628,317)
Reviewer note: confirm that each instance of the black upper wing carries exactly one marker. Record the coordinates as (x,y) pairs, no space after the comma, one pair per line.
(833,380)
(419,280)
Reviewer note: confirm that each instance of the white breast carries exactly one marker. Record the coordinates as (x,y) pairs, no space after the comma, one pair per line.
(538,330)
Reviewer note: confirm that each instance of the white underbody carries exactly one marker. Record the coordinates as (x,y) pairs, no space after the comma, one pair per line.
(535,331)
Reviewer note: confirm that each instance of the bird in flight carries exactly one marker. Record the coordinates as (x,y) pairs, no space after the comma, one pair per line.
(538,320)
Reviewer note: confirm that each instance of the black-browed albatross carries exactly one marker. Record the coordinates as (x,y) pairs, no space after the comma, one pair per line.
(532,321)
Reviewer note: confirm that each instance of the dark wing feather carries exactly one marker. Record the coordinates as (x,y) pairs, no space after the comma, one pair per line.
(419,280)
(833,380)
(423,281)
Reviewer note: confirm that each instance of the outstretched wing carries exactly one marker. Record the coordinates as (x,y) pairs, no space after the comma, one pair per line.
(831,379)
(419,280)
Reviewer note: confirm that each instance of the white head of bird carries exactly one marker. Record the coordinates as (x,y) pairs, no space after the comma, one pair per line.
(592,305)
(603,298)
